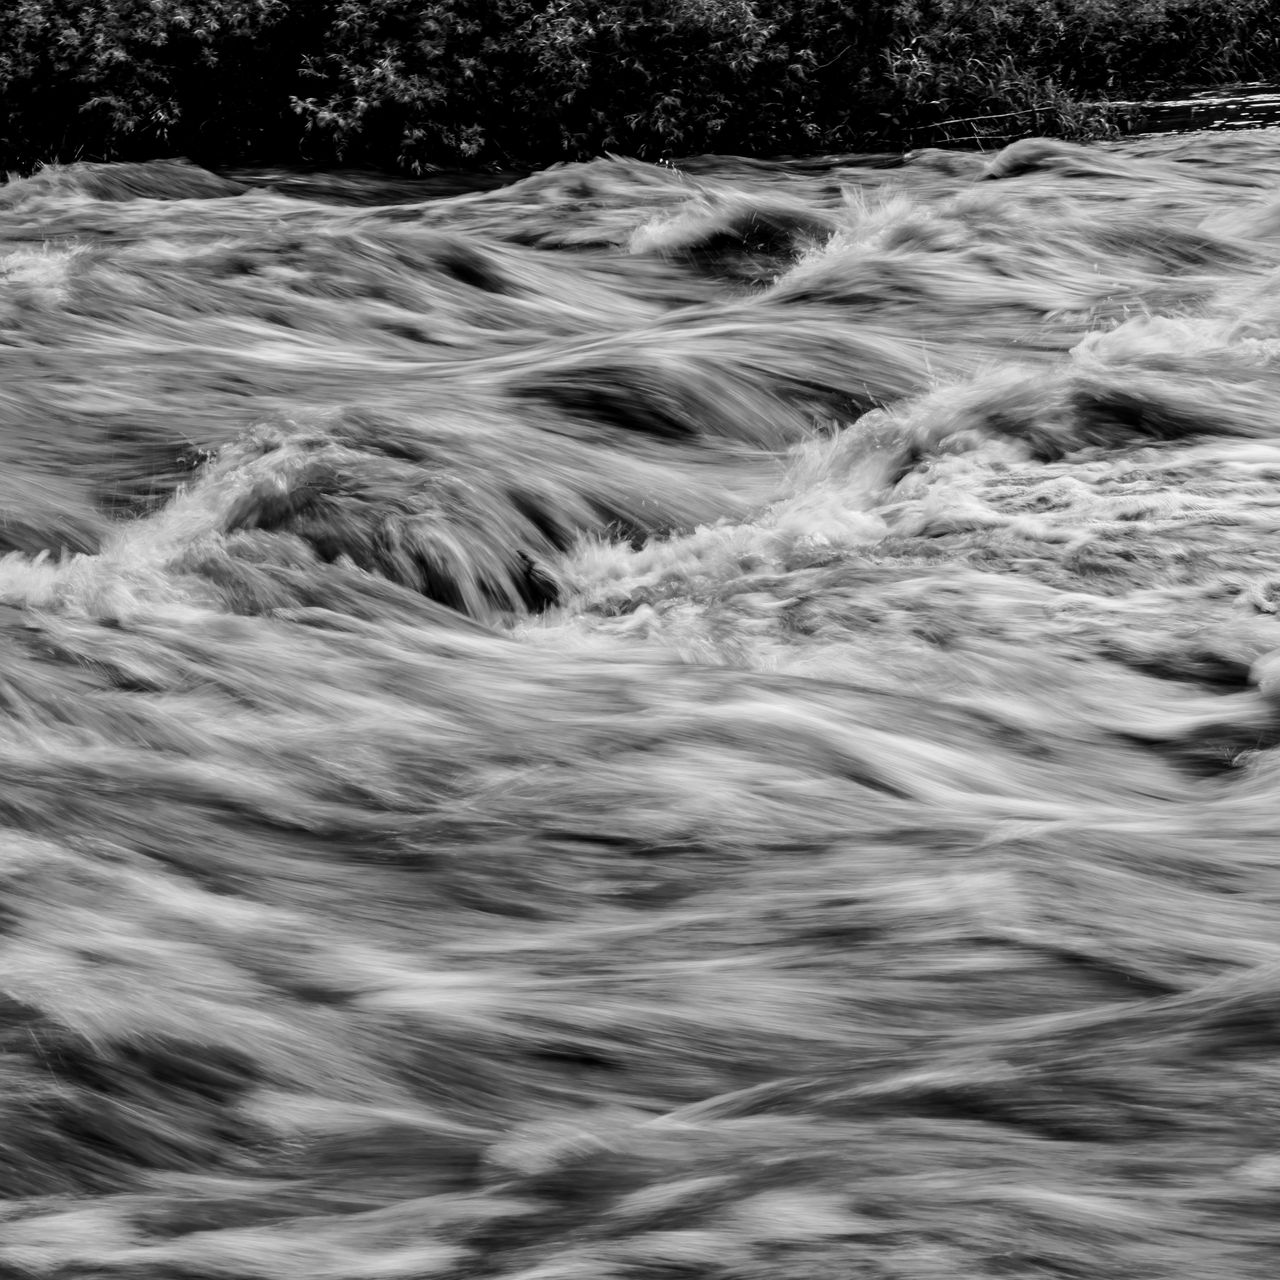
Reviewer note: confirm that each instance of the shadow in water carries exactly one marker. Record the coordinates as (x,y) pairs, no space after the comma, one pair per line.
(1248,106)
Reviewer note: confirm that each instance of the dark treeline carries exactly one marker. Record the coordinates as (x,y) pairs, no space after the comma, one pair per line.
(409,84)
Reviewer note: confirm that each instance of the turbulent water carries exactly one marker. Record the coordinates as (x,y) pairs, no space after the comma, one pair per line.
(699,721)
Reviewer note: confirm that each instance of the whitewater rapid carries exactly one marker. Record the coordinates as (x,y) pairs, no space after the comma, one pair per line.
(713,719)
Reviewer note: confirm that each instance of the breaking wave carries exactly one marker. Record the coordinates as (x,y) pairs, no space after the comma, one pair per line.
(710,720)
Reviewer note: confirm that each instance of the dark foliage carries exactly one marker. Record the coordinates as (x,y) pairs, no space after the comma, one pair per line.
(406,84)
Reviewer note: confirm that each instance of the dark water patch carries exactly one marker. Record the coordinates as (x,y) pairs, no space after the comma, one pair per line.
(1248,106)
(749,245)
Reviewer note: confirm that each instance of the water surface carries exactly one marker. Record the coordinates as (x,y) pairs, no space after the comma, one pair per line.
(714,720)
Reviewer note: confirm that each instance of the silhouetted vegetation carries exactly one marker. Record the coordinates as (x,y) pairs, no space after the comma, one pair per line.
(408,84)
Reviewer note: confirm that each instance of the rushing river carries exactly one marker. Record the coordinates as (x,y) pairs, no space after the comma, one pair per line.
(714,720)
